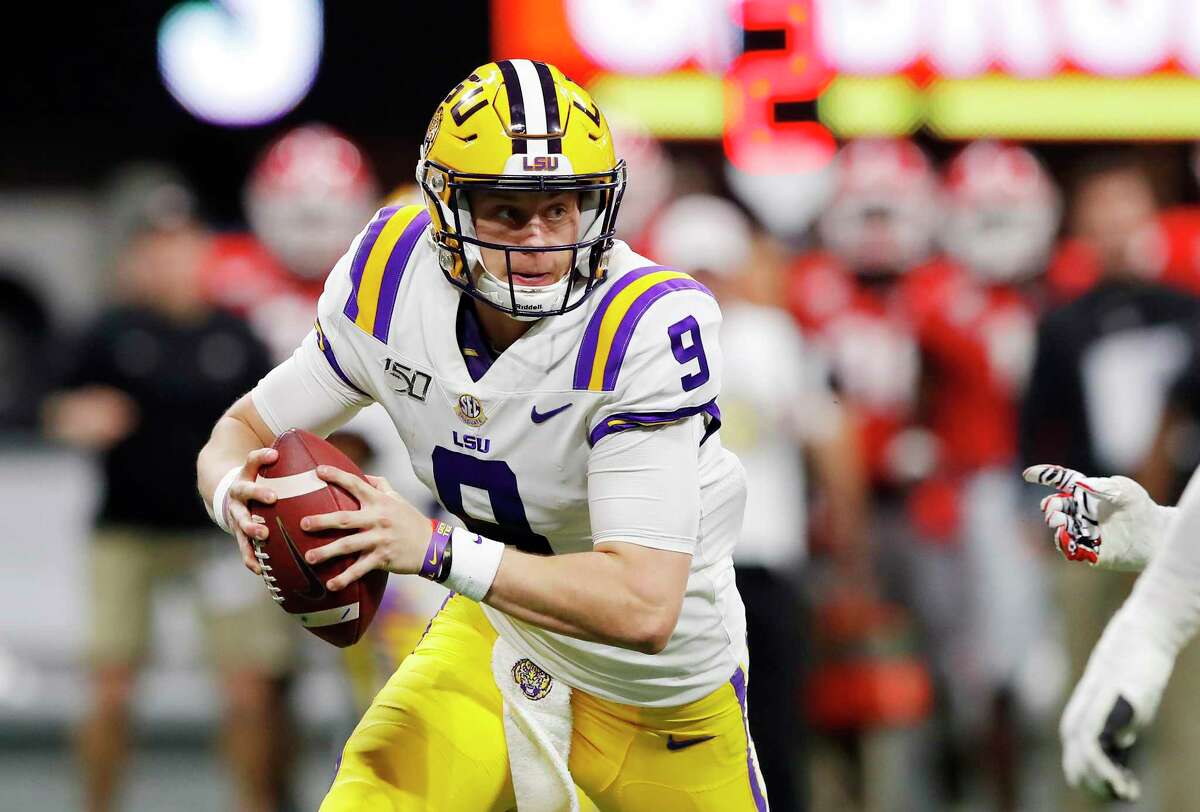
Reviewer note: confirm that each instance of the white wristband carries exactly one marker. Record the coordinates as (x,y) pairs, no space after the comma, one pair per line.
(217,509)
(474,561)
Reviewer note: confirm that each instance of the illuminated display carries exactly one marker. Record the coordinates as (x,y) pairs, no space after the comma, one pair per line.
(240,62)
(1046,69)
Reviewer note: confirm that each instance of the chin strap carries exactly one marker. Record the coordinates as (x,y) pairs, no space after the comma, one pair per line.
(531,303)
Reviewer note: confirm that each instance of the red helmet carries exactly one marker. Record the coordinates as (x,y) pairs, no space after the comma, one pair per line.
(702,232)
(884,211)
(311,192)
(1002,211)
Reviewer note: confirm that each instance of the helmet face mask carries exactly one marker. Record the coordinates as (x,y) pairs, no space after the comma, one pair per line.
(884,212)
(1002,212)
(308,195)
(462,260)
(502,131)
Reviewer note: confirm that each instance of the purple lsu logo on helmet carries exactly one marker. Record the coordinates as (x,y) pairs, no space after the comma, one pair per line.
(540,163)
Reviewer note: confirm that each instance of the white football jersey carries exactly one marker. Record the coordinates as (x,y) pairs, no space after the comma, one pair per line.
(508,454)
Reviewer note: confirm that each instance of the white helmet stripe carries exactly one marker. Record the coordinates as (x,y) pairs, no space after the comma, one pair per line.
(535,105)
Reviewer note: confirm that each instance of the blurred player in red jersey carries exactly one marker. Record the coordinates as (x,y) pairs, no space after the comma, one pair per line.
(305,200)
(879,225)
(974,310)
(974,307)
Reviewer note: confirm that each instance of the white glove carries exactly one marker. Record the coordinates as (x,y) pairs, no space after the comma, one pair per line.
(1117,697)
(1110,522)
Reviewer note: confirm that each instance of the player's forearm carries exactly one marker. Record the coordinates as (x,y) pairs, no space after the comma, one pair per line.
(839,471)
(591,595)
(234,436)
(1166,598)
(1157,530)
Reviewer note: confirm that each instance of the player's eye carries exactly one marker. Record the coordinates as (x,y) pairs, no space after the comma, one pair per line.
(556,212)
(508,214)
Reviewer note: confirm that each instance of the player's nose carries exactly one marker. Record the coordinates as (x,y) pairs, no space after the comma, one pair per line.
(535,234)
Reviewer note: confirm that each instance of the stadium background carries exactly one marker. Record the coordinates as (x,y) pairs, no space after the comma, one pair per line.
(83,98)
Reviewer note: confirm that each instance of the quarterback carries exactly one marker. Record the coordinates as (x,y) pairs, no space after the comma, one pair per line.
(557,393)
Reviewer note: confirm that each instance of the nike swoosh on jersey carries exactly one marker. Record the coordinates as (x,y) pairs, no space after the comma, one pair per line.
(542,417)
(315,589)
(682,744)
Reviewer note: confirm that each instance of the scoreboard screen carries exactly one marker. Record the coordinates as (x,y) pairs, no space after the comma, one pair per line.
(766,74)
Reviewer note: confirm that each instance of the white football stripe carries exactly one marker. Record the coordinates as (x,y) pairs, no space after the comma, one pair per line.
(535,105)
(328,617)
(287,487)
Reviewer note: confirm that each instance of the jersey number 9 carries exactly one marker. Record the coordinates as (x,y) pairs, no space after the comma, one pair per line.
(692,351)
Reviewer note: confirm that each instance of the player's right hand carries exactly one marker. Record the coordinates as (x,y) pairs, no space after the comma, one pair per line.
(92,417)
(1110,522)
(248,528)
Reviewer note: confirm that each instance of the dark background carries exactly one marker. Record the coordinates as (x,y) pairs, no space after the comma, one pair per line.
(80,93)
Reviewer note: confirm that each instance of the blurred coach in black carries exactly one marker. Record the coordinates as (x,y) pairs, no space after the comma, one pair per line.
(142,389)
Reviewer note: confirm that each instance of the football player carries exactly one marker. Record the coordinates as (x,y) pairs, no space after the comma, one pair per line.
(305,198)
(558,393)
(879,226)
(1106,364)
(1112,523)
(974,310)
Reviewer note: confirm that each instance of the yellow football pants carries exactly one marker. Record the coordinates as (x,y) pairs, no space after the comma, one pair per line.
(433,739)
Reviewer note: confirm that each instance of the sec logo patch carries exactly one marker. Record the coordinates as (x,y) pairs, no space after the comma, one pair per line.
(470,410)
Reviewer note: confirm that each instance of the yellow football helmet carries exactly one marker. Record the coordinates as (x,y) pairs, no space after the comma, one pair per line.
(520,125)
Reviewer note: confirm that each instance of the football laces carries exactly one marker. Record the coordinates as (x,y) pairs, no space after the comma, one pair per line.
(270,580)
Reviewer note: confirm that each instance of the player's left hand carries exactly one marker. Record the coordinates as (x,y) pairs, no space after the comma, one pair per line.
(1117,697)
(392,534)
(1109,522)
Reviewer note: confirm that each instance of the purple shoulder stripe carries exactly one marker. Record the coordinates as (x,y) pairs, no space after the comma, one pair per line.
(360,257)
(591,334)
(629,323)
(327,351)
(633,420)
(394,271)
(613,353)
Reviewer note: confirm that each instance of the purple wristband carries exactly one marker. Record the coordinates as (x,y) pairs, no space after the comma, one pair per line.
(432,564)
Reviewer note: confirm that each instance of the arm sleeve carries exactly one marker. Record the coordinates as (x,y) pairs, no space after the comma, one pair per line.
(303,392)
(1166,598)
(644,487)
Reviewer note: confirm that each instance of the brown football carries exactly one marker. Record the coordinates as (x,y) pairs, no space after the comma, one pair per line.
(299,587)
